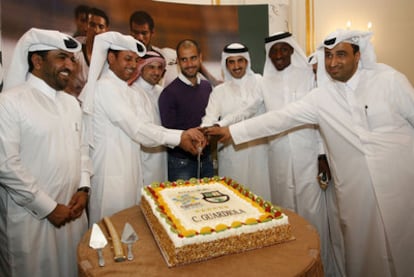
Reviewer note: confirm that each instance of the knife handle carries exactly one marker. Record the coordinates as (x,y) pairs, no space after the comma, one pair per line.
(118,250)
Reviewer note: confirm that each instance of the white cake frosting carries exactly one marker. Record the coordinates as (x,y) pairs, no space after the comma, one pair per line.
(204,205)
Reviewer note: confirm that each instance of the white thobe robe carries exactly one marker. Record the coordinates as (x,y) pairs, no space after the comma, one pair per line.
(293,160)
(41,162)
(367,125)
(118,132)
(154,159)
(292,155)
(231,102)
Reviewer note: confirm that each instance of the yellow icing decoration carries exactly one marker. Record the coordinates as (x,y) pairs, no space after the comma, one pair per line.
(221,227)
(236,224)
(205,230)
(189,233)
(251,221)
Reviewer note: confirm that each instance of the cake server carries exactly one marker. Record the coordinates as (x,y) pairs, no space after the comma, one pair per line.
(97,242)
(129,237)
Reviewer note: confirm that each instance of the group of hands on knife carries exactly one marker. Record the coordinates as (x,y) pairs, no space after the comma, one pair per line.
(194,140)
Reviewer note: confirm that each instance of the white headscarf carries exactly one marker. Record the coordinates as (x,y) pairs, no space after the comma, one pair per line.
(368,58)
(102,43)
(36,40)
(298,58)
(313,59)
(232,50)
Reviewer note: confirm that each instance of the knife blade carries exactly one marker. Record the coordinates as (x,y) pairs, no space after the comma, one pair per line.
(129,237)
(97,242)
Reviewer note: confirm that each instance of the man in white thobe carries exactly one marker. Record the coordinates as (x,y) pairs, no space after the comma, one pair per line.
(233,101)
(44,166)
(294,154)
(115,129)
(365,112)
(151,69)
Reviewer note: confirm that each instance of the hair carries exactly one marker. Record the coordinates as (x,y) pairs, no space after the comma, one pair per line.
(100,13)
(355,48)
(187,43)
(115,52)
(42,53)
(81,9)
(141,18)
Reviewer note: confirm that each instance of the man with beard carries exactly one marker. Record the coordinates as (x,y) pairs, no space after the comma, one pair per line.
(182,105)
(233,101)
(44,166)
(296,157)
(365,111)
(151,69)
(115,129)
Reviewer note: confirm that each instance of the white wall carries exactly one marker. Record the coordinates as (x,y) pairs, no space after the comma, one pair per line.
(392,25)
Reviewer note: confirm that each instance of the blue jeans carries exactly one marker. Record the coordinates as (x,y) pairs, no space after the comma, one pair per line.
(184,168)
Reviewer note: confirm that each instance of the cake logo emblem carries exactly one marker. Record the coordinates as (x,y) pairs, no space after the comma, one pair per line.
(215,197)
(185,199)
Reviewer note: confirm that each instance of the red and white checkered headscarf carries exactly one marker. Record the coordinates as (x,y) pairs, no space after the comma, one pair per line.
(149,57)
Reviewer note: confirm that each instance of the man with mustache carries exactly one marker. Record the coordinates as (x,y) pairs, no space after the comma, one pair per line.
(294,161)
(233,101)
(151,68)
(365,111)
(44,166)
(182,104)
(115,129)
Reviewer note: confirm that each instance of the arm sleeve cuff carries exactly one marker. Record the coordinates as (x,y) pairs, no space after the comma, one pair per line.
(41,206)
(173,138)
(85,180)
(238,133)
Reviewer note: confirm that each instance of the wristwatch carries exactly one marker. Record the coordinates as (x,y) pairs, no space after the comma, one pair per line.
(85,189)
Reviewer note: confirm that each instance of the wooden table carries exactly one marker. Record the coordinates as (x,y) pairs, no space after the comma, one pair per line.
(300,257)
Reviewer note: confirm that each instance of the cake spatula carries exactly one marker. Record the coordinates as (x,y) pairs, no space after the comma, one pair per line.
(129,237)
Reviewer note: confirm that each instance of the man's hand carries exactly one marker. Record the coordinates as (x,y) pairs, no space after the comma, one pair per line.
(192,140)
(222,132)
(60,215)
(197,135)
(323,170)
(78,203)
